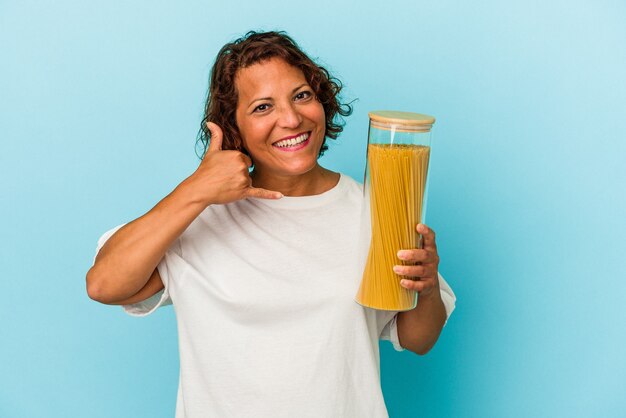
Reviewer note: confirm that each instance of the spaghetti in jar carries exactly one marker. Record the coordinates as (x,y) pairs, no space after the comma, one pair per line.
(395,185)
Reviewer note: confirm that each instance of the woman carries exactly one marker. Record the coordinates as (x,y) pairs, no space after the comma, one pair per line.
(260,265)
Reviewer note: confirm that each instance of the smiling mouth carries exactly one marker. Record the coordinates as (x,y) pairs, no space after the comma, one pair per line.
(292,142)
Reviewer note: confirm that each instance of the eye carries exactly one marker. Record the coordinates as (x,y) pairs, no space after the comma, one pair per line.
(261,108)
(303,95)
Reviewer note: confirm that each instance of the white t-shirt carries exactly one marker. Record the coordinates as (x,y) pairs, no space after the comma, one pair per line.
(264,294)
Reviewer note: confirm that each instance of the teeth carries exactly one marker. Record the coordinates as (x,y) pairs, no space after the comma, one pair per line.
(293,141)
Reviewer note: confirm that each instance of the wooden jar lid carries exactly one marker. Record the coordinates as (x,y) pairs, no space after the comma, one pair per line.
(404,121)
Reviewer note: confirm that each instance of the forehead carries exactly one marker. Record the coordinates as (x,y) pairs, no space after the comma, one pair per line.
(266,78)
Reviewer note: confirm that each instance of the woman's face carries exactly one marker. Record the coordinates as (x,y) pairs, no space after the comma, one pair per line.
(281,123)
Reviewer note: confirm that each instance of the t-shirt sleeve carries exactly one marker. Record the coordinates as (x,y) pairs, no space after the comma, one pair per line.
(165,268)
(389,328)
(389,318)
(447,296)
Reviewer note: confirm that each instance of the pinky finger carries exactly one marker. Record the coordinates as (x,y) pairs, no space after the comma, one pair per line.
(419,286)
(263,193)
(412,284)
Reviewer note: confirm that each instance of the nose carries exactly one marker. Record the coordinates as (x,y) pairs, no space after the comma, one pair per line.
(289,117)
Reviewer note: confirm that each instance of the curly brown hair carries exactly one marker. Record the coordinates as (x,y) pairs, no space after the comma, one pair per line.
(254,47)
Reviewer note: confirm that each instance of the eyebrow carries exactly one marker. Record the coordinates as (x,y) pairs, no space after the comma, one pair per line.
(269,98)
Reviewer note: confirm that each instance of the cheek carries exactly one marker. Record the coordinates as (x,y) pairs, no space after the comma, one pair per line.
(254,133)
(317,114)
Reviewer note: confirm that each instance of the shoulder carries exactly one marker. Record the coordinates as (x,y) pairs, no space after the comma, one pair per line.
(350,184)
(350,191)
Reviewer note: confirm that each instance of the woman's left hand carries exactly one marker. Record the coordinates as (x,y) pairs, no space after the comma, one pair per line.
(421,277)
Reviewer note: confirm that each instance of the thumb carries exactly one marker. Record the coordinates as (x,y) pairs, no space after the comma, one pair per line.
(216,137)
(263,193)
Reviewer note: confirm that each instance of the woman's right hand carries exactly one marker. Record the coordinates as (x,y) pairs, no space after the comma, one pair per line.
(222,176)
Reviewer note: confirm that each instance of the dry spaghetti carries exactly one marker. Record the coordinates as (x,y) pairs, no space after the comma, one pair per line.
(397,183)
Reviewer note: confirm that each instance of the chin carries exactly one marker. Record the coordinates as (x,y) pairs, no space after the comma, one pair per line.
(300,169)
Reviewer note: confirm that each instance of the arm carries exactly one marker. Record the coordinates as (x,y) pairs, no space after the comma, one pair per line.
(419,328)
(124,271)
(126,265)
(152,287)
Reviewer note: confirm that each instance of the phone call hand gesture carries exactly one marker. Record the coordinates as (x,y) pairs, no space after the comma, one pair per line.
(222,176)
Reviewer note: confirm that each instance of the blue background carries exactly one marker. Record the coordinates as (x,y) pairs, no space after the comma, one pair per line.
(100,104)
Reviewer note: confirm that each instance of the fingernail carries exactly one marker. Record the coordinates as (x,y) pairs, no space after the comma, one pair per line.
(404,282)
(403,254)
(397,269)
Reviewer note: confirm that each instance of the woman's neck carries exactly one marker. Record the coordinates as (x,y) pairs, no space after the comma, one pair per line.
(316,181)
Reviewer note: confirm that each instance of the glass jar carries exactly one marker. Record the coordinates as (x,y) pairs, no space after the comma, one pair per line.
(394,190)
